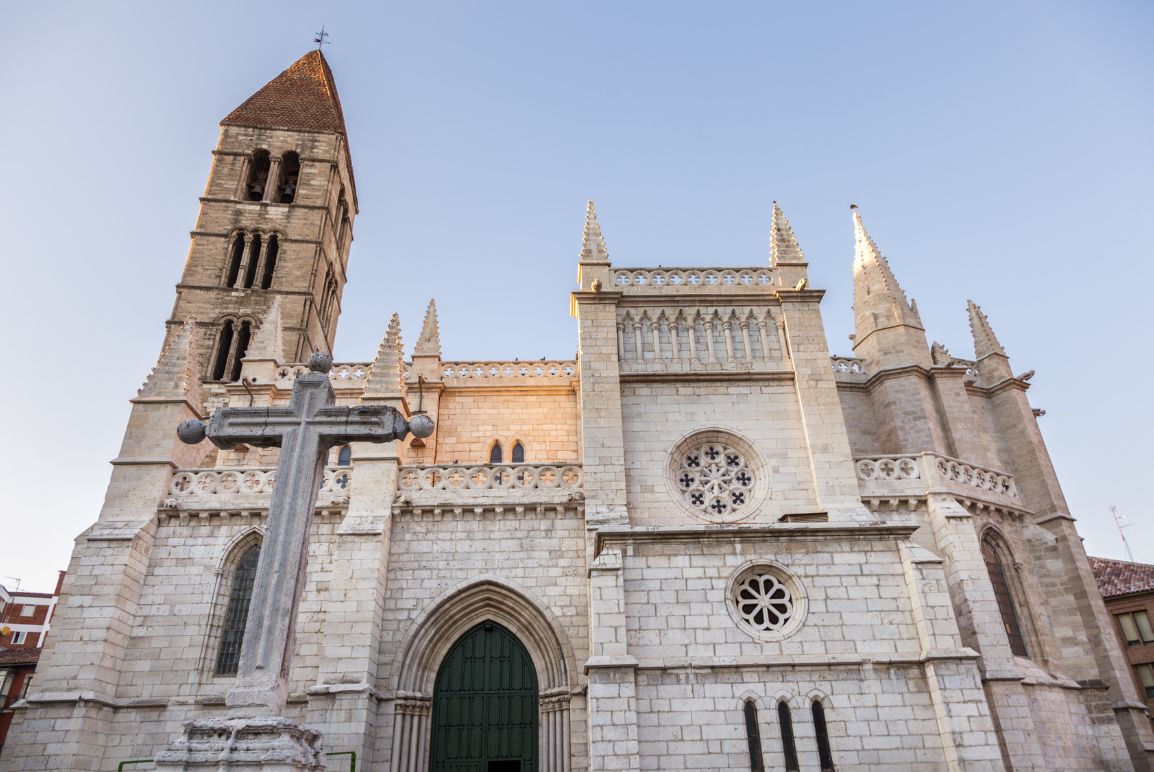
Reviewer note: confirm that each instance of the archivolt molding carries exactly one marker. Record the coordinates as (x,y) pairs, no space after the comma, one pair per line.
(461,608)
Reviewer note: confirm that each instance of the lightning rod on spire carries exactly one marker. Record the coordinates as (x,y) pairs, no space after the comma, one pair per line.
(321,38)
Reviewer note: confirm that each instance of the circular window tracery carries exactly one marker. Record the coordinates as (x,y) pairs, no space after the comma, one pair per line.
(766,601)
(763,602)
(715,479)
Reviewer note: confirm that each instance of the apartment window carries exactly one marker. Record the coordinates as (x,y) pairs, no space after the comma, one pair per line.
(1146,678)
(27,611)
(19,637)
(5,685)
(1136,627)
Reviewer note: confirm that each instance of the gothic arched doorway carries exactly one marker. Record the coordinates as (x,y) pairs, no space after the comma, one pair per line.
(485,705)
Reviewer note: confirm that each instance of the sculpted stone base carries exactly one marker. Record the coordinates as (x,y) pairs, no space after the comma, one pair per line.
(265,743)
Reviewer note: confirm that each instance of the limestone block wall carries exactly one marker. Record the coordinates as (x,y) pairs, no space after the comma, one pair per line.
(539,555)
(656,416)
(545,422)
(857,595)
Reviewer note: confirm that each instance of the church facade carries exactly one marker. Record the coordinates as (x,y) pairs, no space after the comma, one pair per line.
(704,544)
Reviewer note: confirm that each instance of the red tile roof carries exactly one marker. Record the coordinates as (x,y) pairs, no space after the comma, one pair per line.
(18,656)
(303,97)
(1117,577)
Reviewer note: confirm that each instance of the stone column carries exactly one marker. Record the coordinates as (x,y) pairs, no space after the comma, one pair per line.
(272,184)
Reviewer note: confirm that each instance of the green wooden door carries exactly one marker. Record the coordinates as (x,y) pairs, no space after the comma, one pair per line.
(485,705)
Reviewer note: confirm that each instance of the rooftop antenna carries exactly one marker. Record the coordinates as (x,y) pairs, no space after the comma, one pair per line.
(320,38)
(1118,522)
(15,579)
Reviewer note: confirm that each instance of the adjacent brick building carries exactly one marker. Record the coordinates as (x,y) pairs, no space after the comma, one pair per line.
(25,618)
(1128,589)
(705,543)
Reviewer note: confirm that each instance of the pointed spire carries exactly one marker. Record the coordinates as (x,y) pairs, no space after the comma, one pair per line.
(429,341)
(268,343)
(783,246)
(175,375)
(876,289)
(387,379)
(985,342)
(303,97)
(592,243)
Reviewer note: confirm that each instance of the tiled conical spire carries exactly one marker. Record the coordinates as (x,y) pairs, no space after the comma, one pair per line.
(985,342)
(175,375)
(268,343)
(592,243)
(387,379)
(429,341)
(303,97)
(783,246)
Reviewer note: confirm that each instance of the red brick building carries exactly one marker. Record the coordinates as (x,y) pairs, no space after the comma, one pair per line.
(1128,589)
(25,618)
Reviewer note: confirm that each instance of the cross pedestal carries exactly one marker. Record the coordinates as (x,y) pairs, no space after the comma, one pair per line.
(305,431)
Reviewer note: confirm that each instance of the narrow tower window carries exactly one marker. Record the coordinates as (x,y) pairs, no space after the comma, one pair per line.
(253,259)
(290,169)
(235,617)
(234,261)
(819,728)
(242,338)
(269,262)
(994,553)
(495,454)
(753,735)
(518,456)
(258,168)
(788,747)
(223,347)
(344,456)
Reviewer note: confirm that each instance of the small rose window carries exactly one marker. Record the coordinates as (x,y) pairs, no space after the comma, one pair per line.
(715,479)
(763,602)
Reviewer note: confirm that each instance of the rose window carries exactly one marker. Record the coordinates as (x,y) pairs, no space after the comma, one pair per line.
(715,479)
(763,602)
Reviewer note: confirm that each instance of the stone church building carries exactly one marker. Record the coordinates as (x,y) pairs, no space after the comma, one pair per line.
(706,543)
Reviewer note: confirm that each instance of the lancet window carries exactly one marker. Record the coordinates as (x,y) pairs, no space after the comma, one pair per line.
(231,346)
(252,261)
(344,456)
(290,169)
(496,454)
(258,170)
(518,454)
(236,614)
(788,745)
(821,732)
(753,737)
(999,564)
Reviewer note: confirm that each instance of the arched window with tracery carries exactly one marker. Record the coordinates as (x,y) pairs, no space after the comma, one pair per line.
(223,349)
(254,255)
(243,335)
(821,732)
(236,256)
(999,565)
(496,455)
(518,454)
(753,738)
(290,169)
(236,614)
(258,169)
(788,744)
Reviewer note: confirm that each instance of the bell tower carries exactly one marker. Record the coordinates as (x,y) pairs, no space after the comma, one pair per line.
(275,222)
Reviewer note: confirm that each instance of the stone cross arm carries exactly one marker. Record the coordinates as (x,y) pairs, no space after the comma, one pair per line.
(330,424)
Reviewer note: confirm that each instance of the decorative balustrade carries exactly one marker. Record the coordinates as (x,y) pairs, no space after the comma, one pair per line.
(509,370)
(211,488)
(848,367)
(928,472)
(713,279)
(528,483)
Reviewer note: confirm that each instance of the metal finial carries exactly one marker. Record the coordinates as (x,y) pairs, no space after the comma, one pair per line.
(320,38)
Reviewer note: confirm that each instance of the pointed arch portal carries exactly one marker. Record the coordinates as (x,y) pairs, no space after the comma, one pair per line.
(485,705)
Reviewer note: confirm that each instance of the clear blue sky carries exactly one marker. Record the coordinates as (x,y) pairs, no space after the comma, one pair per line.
(999,151)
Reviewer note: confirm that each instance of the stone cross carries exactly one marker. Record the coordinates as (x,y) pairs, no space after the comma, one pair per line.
(305,431)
